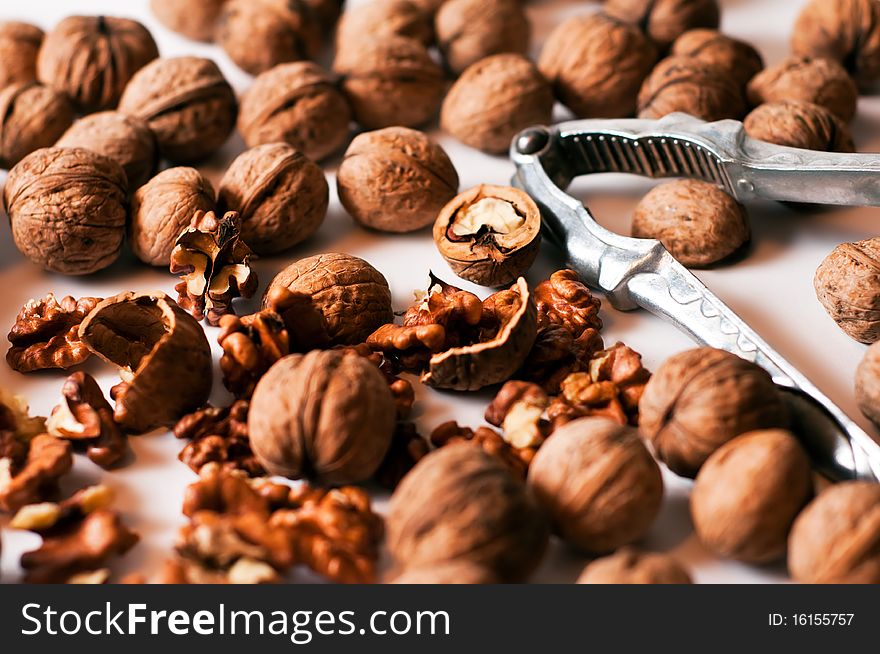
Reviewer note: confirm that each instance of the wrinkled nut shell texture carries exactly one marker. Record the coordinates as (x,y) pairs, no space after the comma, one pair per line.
(460,503)
(67,208)
(599,483)
(748,494)
(395,179)
(162,353)
(737,58)
(470,30)
(696,221)
(700,399)
(195,19)
(461,572)
(19,45)
(691,86)
(596,65)
(163,208)
(799,124)
(187,103)
(868,384)
(349,298)
(381,19)
(324,415)
(32,116)
(836,539)
(665,20)
(847,284)
(628,566)
(280,194)
(297,103)
(489,235)
(92,58)
(494,100)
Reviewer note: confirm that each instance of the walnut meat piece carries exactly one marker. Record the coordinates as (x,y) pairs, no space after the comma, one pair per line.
(195,19)
(390,82)
(847,283)
(325,415)
(162,353)
(218,436)
(494,100)
(748,493)
(187,103)
(461,504)
(337,299)
(820,81)
(515,459)
(15,417)
(298,103)
(737,58)
(799,124)
(92,58)
(666,20)
(407,448)
(836,539)
(628,566)
(695,220)
(692,86)
(381,19)
(489,235)
(596,65)
(518,409)
(395,179)
(162,208)
(19,45)
(67,208)
(699,399)
(30,468)
(599,483)
(258,34)
(32,116)
(280,194)
(470,30)
(250,346)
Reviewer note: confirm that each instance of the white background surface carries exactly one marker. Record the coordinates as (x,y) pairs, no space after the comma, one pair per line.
(771,288)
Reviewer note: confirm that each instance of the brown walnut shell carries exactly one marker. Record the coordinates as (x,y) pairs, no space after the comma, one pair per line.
(32,116)
(395,179)
(494,100)
(836,539)
(297,103)
(19,45)
(461,504)
(737,58)
(460,572)
(868,384)
(599,483)
(324,415)
(195,19)
(596,65)
(798,124)
(489,235)
(281,195)
(67,208)
(162,208)
(696,221)
(345,299)
(381,19)
(92,58)
(125,139)
(162,353)
(847,283)
(628,566)
(666,20)
(699,399)
(187,103)
(748,494)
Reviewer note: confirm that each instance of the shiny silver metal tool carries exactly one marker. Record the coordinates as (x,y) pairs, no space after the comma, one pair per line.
(635,273)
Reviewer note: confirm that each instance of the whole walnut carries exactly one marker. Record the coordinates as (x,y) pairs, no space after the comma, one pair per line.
(187,103)
(298,103)
(666,20)
(470,30)
(868,384)
(737,58)
(836,539)
(164,207)
(748,493)
(461,504)
(596,65)
(258,34)
(695,220)
(699,399)
(390,82)
(125,139)
(32,116)
(820,81)
(324,415)
(380,19)
(461,571)
(799,124)
(847,283)
(599,483)
(847,31)
(395,179)
(67,208)
(341,300)
(280,194)
(692,86)
(92,58)
(494,100)
(19,45)
(195,19)
(628,566)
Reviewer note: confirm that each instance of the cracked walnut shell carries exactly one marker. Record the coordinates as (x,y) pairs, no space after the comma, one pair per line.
(19,45)
(737,58)
(666,20)
(32,116)
(798,124)
(847,283)
(629,566)
(195,19)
